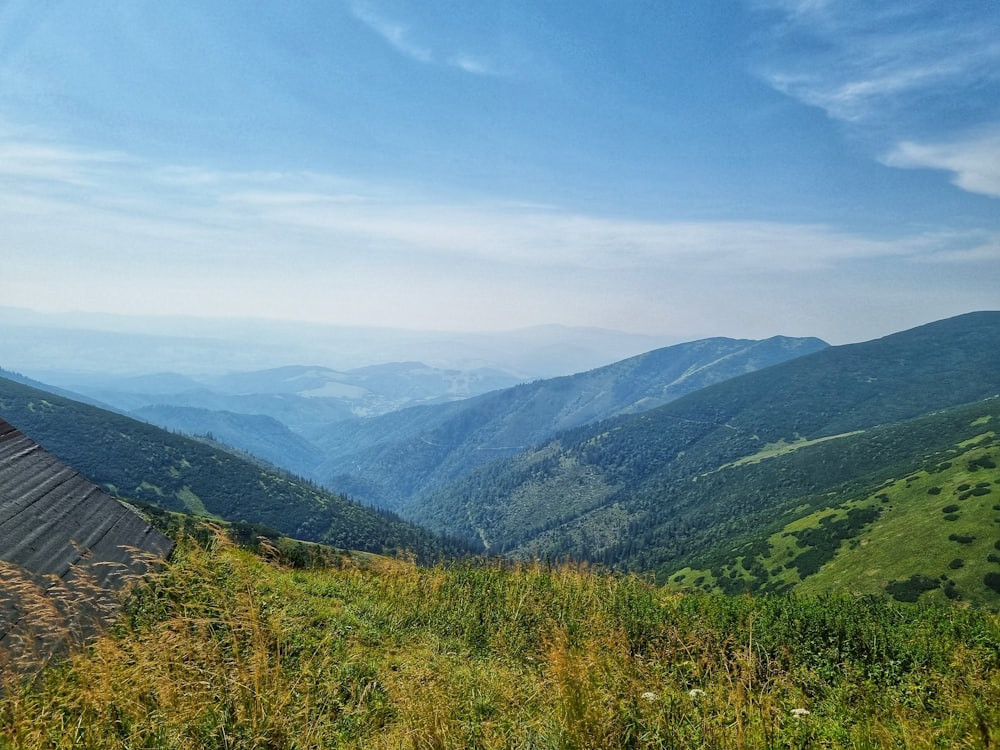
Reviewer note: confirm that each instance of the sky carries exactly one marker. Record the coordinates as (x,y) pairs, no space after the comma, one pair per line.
(728,167)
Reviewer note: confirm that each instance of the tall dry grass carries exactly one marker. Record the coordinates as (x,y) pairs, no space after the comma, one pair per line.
(224,649)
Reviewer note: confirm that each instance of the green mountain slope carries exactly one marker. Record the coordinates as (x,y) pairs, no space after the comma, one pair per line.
(676,484)
(391,459)
(137,461)
(257,434)
(927,524)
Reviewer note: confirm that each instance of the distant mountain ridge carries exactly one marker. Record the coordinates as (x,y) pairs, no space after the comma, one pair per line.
(40,343)
(391,459)
(661,488)
(304,418)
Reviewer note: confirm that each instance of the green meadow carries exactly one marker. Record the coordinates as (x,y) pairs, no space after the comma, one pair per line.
(227,648)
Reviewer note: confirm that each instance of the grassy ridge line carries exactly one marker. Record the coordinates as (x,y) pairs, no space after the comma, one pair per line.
(226,650)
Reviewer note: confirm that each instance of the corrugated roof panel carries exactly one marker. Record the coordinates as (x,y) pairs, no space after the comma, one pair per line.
(66,546)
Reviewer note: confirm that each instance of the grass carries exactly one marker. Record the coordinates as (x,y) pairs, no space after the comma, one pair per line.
(914,535)
(783,447)
(228,649)
(940,522)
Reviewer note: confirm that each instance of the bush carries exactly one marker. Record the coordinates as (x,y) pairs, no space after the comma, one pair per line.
(910,589)
(957,563)
(983,462)
(961,538)
(992,581)
(949,508)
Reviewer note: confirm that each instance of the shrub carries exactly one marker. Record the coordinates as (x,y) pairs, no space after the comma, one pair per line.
(992,581)
(951,517)
(910,589)
(949,508)
(957,563)
(934,491)
(961,538)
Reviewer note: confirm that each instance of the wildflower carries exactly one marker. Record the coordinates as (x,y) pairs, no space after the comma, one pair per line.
(648,697)
(696,692)
(800,713)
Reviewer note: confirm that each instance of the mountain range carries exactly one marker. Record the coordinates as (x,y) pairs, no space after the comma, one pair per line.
(692,483)
(395,458)
(720,464)
(350,432)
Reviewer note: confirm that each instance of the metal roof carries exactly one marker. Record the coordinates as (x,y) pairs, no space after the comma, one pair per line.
(66,548)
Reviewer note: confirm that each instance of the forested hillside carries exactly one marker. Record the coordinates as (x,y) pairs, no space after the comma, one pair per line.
(675,485)
(391,459)
(135,460)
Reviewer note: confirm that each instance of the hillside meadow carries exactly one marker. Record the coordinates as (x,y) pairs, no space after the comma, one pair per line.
(226,648)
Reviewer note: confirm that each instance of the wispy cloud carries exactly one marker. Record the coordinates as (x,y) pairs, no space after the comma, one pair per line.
(302,212)
(398,35)
(109,233)
(855,59)
(39,161)
(404,40)
(901,75)
(973,161)
(474,65)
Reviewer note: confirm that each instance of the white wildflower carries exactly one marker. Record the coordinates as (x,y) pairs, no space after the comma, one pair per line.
(696,692)
(649,697)
(800,713)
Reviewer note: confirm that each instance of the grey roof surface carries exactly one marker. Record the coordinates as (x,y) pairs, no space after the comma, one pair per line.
(66,547)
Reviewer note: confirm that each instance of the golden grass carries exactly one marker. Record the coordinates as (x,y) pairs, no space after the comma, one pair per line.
(223,649)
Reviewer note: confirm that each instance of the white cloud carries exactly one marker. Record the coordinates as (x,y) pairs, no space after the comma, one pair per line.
(403,39)
(974,161)
(21,159)
(396,34)
(474,65)
(866,59)
(107,198)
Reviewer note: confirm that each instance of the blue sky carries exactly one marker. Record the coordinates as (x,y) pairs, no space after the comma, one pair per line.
(741,168)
